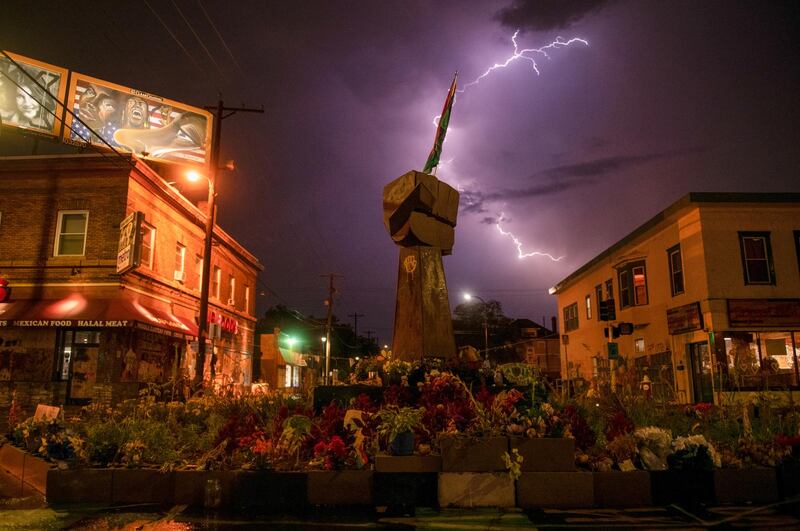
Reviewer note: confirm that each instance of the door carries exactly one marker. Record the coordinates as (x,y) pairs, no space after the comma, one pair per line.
(77,364)
(700,361)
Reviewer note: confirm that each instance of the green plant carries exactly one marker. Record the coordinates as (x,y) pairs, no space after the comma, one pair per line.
(513,464)
(395,421)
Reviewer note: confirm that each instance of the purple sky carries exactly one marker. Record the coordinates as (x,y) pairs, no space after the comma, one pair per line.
(668,98)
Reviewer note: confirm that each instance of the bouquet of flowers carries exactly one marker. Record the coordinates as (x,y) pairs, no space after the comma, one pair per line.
(693,453)
(655,445)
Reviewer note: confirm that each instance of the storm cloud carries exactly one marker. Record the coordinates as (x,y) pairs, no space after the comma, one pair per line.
(541,15)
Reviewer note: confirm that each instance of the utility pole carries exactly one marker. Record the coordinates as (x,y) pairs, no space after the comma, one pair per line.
(355,316)
(329,302)
(220,112)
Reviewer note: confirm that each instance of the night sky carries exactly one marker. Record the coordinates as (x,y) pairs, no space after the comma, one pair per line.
(667,98)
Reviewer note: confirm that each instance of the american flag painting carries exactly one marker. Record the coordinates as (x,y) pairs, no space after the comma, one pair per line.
(129,120)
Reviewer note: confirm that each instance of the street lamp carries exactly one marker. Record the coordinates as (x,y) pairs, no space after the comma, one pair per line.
(468,297)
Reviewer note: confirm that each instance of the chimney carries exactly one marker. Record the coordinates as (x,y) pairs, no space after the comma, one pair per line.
(554,324)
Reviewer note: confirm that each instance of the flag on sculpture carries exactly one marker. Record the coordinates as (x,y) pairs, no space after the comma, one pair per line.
(441,129)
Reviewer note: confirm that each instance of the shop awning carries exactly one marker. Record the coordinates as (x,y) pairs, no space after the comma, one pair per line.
(75,310)
(292,358)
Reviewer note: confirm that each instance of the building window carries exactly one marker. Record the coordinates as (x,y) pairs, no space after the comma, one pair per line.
(598,293)
(247,299)
(180,262)
(638,345)
(571,317)
(632,280)
(287,382)
(756,258)
(797,246)
(758,360)
(609,289)
(675,269)
(148,245)
(71,232)
(588,307)
(215,282)
(198,267)
(232,292)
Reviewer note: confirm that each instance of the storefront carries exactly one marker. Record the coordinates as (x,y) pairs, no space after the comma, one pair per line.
(77,349)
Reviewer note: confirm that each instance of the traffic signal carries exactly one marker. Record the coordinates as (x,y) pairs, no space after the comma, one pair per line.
(625,329)
(607,310)
(615,332)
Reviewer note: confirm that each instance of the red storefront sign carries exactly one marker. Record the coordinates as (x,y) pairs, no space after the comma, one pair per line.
(227,324)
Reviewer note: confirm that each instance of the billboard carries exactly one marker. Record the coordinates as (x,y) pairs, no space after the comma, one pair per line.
(130,120)
(29,105)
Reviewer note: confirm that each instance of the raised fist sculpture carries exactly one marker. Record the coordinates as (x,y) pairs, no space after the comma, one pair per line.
(419,211)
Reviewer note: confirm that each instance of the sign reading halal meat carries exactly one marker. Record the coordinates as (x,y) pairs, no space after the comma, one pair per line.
(127,119)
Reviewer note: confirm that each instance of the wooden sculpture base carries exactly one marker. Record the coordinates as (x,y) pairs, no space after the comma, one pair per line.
(423,325)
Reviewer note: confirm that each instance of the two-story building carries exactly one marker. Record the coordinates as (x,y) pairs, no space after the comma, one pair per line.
(103,259)
(706,295)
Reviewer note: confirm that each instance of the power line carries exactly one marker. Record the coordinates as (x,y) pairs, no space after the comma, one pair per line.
(180,44)
(219,35)
(202,44)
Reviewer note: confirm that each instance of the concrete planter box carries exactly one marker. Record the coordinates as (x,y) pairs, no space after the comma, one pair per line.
(269,492)
(29,468)
(189,486)
(340,487)
(567,490)
(405,491)
(141,485)
(682,487)
(546,455)
(756,485)
(622,489)
(462,454)
(80,485)
(475,489)
(788,480)
(408,463)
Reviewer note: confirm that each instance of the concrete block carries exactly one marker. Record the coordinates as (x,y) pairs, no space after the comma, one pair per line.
(270,492)
(756,485)
(463,454)
(622,489)
(79,485)
(340,487)
(189,487)
(408,463)
(406,489)
(475,489)
(546,455)
(141,485)
(555,490)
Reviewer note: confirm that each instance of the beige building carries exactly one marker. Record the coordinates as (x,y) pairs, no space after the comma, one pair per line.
(710,288)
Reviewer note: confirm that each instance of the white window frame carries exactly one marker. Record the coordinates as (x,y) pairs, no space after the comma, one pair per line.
(588,307)
(217,281)
(181,249)
(61,214)
(152,231)
(198,264)
(232,293)
(247,299)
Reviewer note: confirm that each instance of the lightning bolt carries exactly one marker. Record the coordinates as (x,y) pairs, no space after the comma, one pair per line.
(520,253)
(527,54)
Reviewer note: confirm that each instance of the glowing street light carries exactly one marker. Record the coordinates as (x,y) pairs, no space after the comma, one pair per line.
(468,297)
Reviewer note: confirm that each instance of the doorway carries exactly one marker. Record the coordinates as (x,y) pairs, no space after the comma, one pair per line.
(77,363)
(700,362)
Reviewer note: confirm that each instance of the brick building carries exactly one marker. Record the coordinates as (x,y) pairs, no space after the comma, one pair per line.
(74,329)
